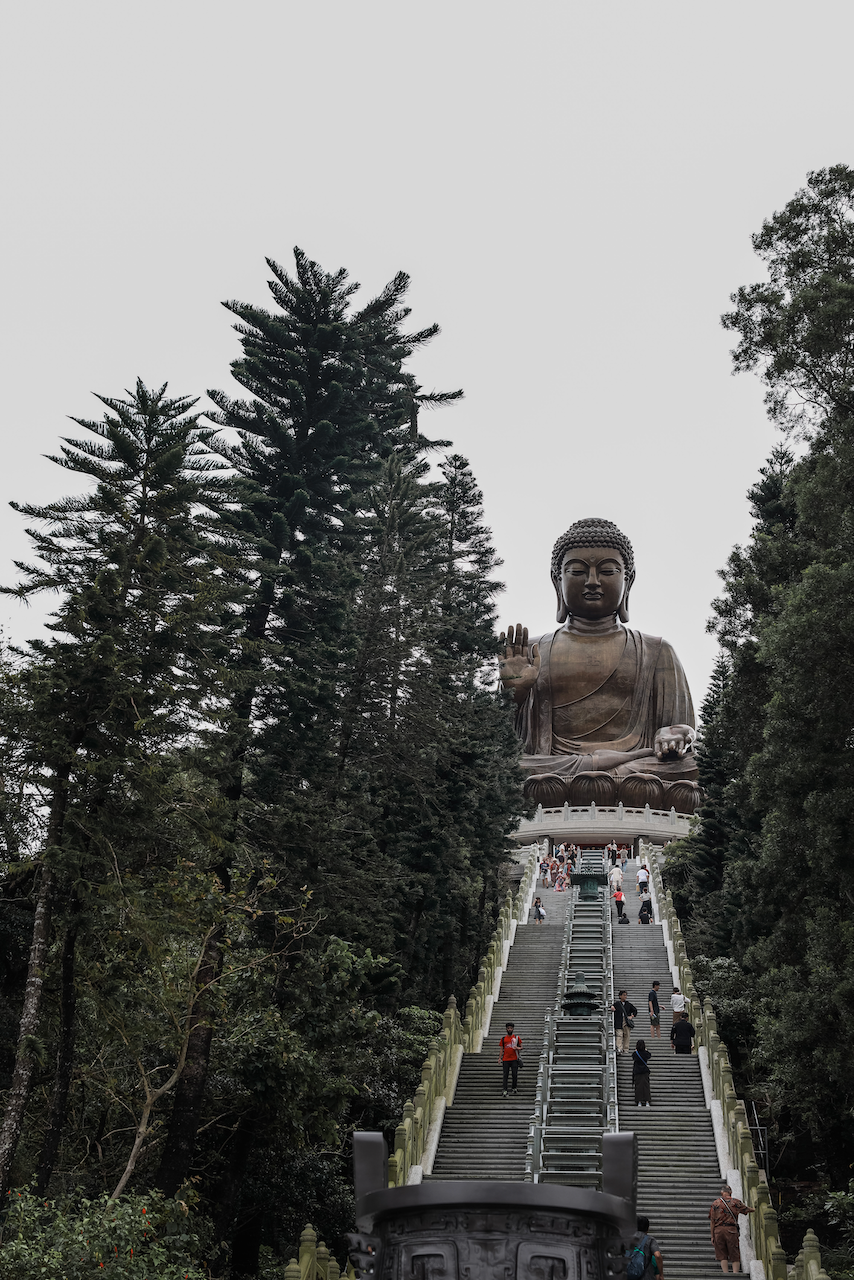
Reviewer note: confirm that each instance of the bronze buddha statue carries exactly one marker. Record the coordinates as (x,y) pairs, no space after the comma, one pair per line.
(604,711)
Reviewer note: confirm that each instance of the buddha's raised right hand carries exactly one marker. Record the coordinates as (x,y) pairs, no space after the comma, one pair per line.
(518,668)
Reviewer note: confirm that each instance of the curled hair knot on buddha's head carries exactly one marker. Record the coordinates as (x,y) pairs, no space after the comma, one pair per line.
(593,532)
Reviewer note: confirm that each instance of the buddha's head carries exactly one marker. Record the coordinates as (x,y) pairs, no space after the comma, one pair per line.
(593,568)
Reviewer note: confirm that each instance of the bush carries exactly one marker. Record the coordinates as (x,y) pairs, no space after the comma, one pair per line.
(136,1237)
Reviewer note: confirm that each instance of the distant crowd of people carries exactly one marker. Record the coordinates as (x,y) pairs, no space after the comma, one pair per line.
(615,880)
(557,867)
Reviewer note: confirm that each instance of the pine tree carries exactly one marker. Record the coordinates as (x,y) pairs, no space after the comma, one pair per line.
(329,401)
(128,675)
(785,714)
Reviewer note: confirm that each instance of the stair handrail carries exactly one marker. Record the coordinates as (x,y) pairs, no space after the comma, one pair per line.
(459,1035)
(534,1148)
(808,1262)
(764,1226)
(315,1262)
(612,1107)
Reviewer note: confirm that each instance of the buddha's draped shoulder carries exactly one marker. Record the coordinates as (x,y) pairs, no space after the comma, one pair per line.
(602,693)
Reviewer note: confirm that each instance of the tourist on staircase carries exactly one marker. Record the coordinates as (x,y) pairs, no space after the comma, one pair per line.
(620,901)
(624,1019)
(645,912)
(723,1223)
(538,911)
(509,1047)
(677,1004)
(641,1074)
(654,1012)
(645,1252)
(682,1035)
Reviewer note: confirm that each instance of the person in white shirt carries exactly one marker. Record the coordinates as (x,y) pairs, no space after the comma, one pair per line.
(616,878)
(643,878)
(677,1004)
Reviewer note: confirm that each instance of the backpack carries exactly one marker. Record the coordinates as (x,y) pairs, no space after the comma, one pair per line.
(638,1261)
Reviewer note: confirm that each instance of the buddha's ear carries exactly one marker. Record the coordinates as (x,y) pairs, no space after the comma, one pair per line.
(623,611)
(562,611)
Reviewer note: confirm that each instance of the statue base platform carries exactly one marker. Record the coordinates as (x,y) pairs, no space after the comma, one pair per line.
(634,791)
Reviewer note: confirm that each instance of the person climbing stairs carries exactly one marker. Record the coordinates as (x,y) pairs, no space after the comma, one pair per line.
(485,1135)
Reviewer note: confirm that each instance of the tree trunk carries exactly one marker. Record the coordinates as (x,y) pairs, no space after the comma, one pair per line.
(25,1058)
(246,1244)
(64,1063)
(176,1161)
(232,1180)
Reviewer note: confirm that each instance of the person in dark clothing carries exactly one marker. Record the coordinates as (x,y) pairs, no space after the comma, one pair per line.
(682,1035)
(654,1012)
(640,1074)
(650,1248)
(624,1019)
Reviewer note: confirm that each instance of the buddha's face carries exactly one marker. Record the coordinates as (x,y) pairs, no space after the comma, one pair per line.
(593,582)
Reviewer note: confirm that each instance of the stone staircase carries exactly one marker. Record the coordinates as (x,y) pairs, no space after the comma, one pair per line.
(483,1134)
(678,1171)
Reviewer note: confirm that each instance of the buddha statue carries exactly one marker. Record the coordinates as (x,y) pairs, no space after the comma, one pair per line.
(604,711)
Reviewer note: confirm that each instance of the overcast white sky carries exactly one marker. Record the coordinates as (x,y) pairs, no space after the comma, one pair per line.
(572,188)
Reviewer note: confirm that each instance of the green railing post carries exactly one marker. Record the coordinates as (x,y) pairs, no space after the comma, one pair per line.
(307,1252)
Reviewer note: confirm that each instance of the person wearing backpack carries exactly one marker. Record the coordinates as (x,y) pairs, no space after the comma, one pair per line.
(643,1256)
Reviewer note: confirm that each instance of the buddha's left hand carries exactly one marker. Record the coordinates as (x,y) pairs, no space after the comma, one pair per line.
(672,741)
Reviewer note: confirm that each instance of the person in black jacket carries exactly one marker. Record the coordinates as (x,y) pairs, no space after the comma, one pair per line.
(640,1074)
(682,1034)
(624,1019)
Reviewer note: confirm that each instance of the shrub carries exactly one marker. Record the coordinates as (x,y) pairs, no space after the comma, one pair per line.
(135,1237)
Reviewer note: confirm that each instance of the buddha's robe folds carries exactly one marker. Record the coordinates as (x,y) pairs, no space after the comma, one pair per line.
(645,691)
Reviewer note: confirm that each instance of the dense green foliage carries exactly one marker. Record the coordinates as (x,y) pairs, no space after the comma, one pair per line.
(766,880)
(133,1238)
(256,790)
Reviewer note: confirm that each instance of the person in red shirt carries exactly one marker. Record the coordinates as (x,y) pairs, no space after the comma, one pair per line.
(509,1046)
